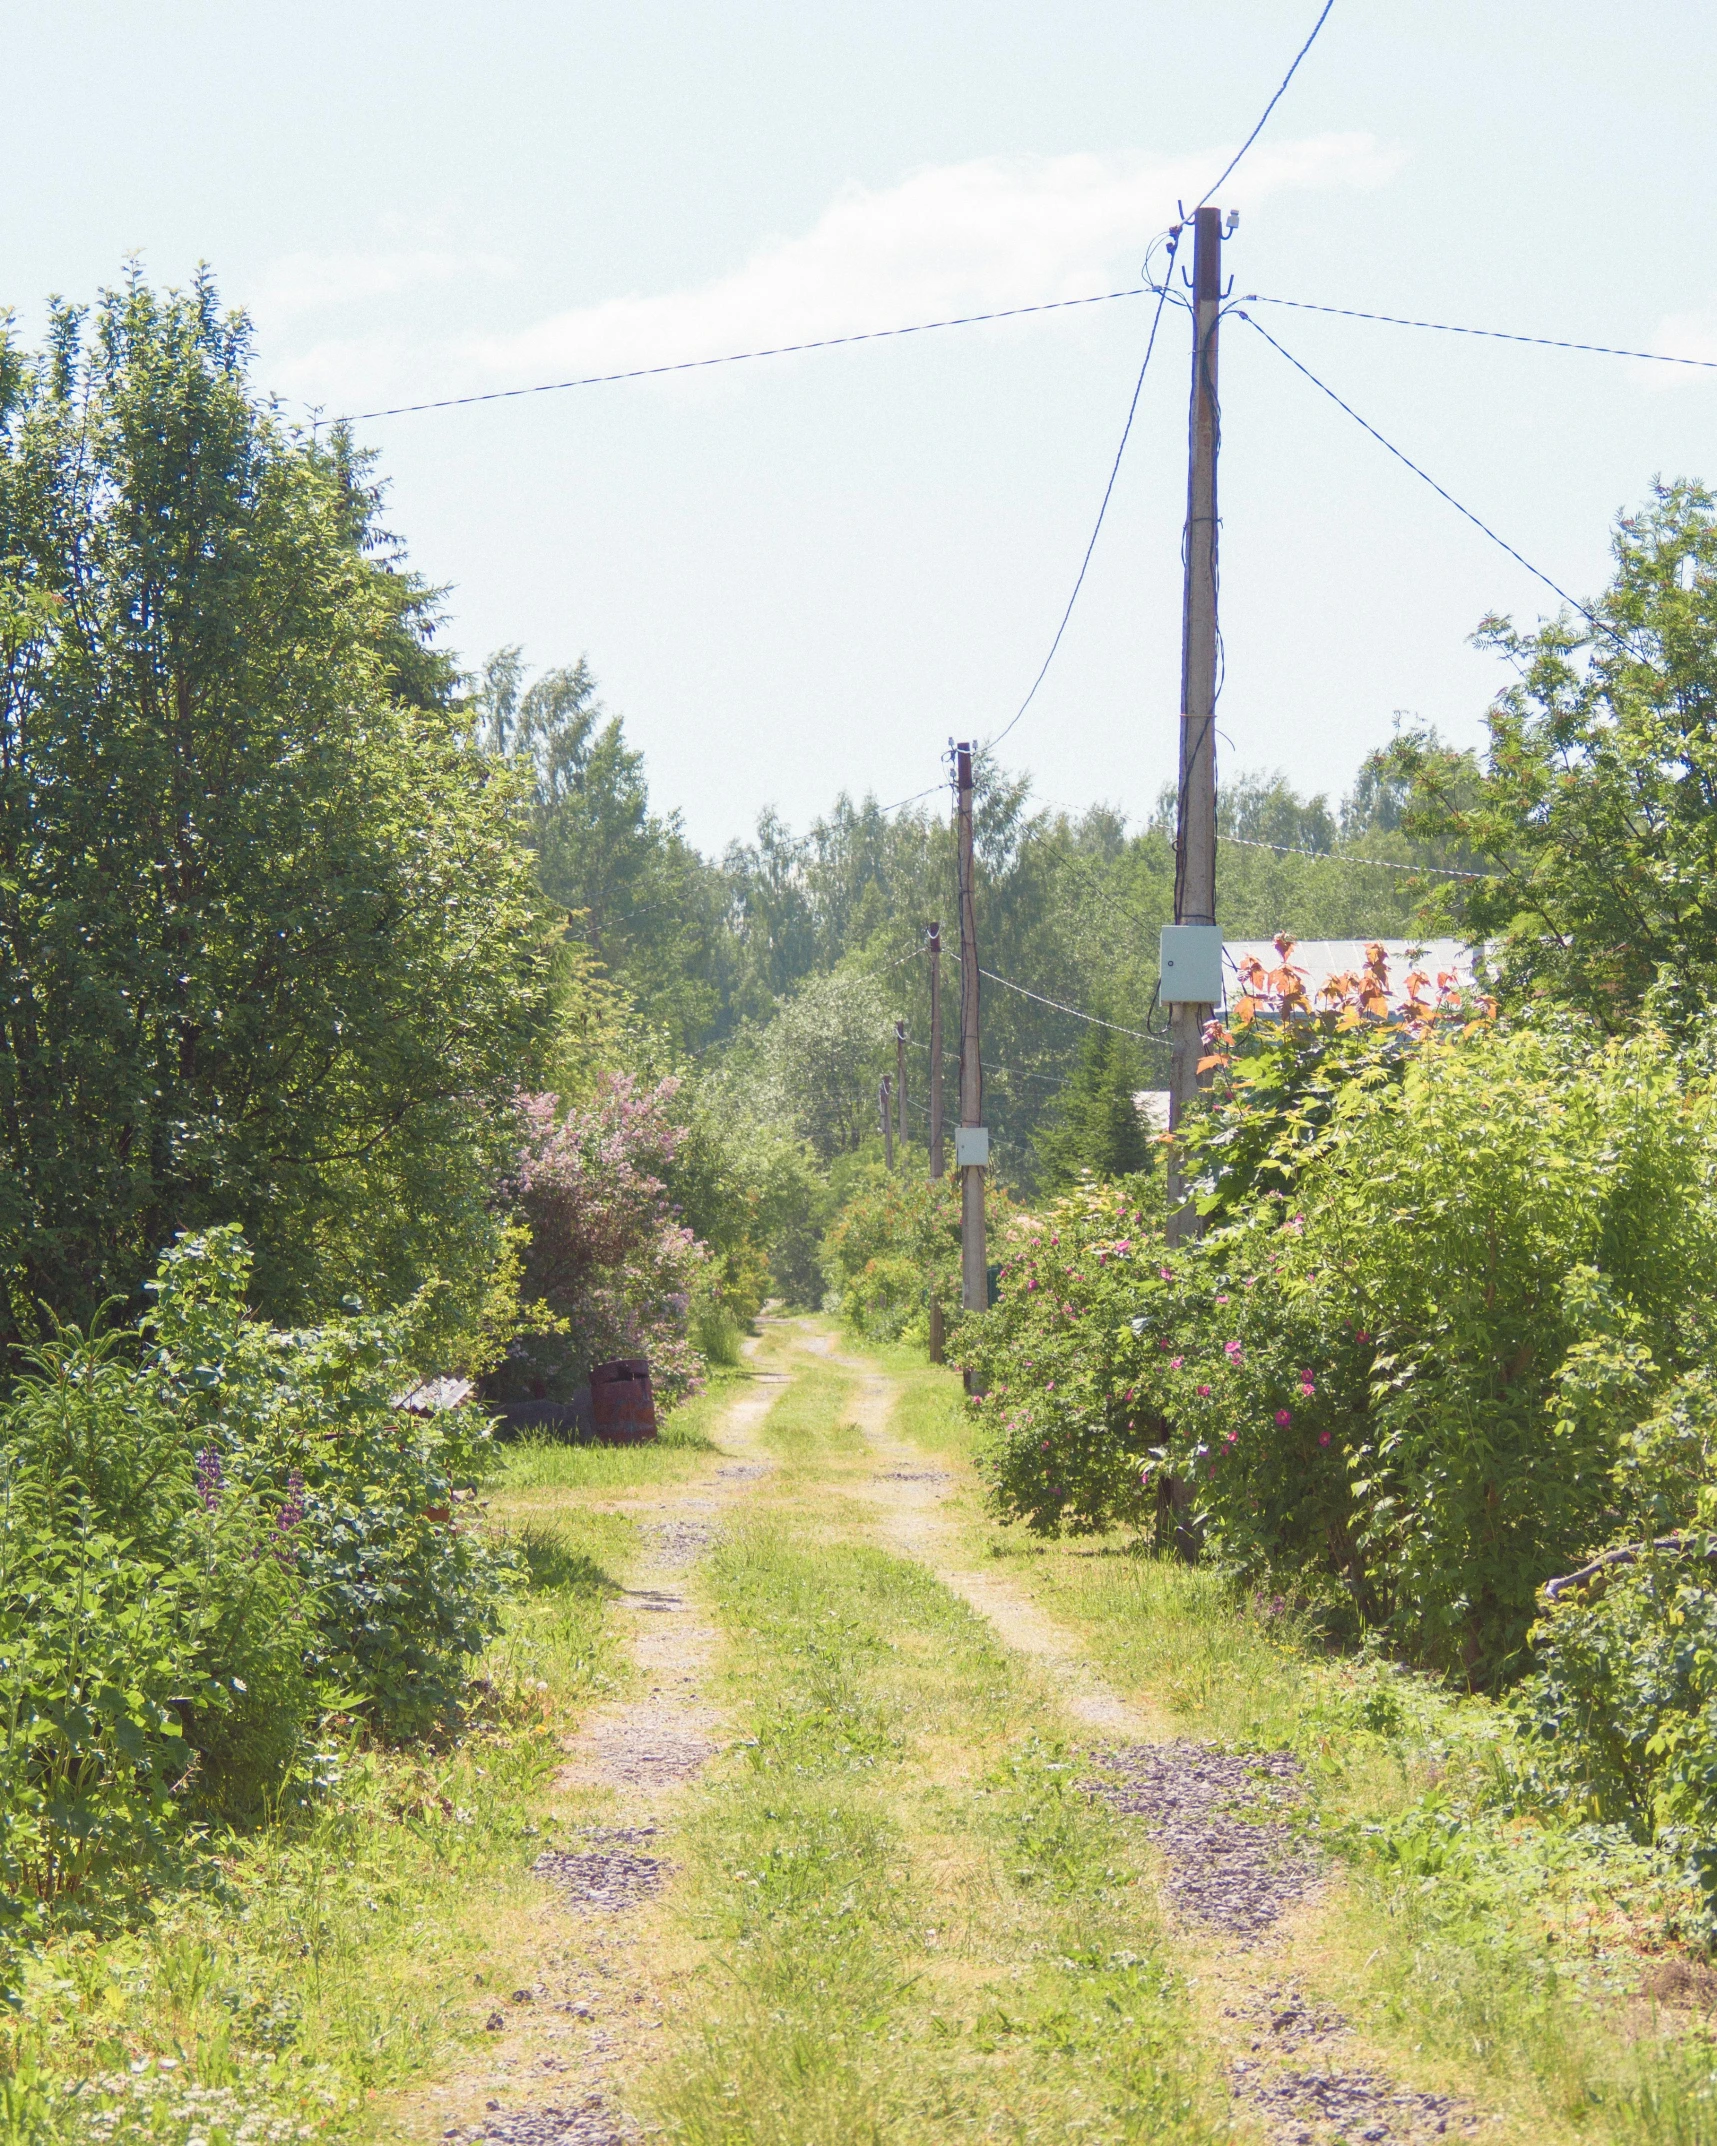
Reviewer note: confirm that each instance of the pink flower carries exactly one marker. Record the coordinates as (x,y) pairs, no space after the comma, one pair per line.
(1204,1392)
(1230,1438)
(1362,1335)
(1283,1418)
(1323,1438)
(1167,1273)
(1307,1387)
(1032,1284)
(1178,1363)
(1222,1300)
(1233,1351)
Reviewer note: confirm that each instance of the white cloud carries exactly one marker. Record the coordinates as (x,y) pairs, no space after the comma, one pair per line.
(951,238)
(320,282)
(955,237)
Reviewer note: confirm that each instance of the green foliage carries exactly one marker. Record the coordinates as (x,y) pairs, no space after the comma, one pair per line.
(1061,1440)
(750,1189)
(1619,1717)
(638,896)
(1594,812)
(268,946)
(211,1534)
(894,1248)
(1410,1361)
(1094,1125)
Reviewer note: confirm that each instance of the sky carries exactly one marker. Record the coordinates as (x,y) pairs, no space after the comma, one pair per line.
(806,574)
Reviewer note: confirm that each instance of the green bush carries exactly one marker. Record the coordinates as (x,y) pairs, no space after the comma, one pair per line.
(1619,1718)
(894,1247)
(1455,1277)
(373,1506)
(212,1533)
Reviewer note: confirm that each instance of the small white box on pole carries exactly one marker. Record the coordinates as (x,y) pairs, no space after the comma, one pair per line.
(1191,965)
(971,1147)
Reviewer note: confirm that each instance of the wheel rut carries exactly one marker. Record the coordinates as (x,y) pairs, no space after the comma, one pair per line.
(564,2045)
(1237,1868)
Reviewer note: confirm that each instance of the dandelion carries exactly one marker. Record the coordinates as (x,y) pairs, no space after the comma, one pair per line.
(1283,1418)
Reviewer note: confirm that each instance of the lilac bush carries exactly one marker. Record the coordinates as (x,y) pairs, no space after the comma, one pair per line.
(610,1266)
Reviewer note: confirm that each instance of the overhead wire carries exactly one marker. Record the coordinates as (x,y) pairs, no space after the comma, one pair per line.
(1108,493)
(1078,1012)
(1425,477)
(1281,88)
(1495,335)
(731,357)
(1336,856)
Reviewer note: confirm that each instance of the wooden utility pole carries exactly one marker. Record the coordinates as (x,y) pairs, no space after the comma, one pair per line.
(934,947)
(935,950)
(900,1087)
(972,1142)
(883,1099)
(1195,833)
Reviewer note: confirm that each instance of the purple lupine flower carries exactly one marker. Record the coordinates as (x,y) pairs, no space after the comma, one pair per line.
(211,1478)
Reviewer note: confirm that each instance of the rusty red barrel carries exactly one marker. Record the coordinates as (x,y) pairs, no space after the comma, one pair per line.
(622,1408)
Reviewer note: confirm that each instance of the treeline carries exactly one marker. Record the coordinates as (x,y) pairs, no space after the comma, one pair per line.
(792,955)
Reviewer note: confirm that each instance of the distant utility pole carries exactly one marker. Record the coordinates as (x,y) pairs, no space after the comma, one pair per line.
(883,1100)
(1192,952)
(934,948)
(900,1086)
(972,1142)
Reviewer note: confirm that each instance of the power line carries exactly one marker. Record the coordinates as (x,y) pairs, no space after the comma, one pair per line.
(1108,491)
(732,357)
(1495,335)
(914,798)
(1537,572)
(1007,983)
(1049,1080)
(1334,856)
(1271,106)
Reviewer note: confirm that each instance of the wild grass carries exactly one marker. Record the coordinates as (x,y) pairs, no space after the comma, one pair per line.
(683,1443)
(1505,1950)
(908,1921)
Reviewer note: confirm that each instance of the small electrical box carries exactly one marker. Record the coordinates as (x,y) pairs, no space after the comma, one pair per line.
(1191,965)
(971,1146)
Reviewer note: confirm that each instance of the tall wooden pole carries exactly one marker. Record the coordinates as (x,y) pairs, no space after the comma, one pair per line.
(883,1100)
(1195,833)
(900,1087)
(934,947)
(974,1269)
(935,950)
